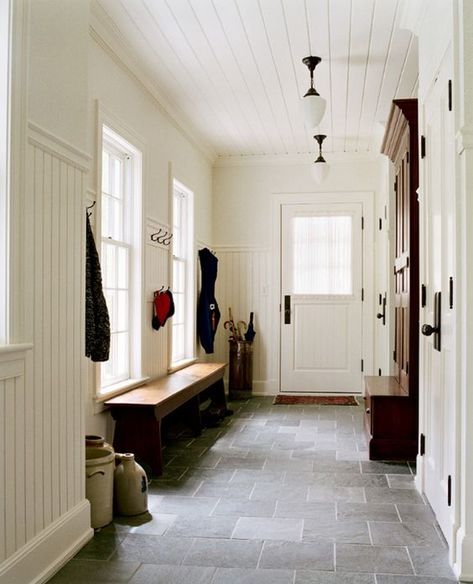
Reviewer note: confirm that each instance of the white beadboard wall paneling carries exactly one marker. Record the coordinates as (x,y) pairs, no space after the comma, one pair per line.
(241,62)
(157,261)
(242,284)
(42,404)
(14,471)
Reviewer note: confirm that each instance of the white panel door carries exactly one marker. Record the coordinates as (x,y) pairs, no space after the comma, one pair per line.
(321,298)
(437,371)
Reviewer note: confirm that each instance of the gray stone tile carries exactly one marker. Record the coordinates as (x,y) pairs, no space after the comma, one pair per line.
(289,465)
(264,528)
(387,495)
(385,467)
(340,466)
(187,505)
(210,474)
(90,571)
(297,556)
(152,549)
(151,523)
(390,579)
(336,479)
(248,576)
(365,558)
(401,481)
(416,513)
(331,494)
(352,455)
(365,512)
(275,491)
(218,526)
(226,490)
(245,508)
(181,488)
(428,562)
(101,546)
(305,510)
(224,553)
(159,574)
(405,534)
(260,476)
(237,462)
(314,577)
(337,531)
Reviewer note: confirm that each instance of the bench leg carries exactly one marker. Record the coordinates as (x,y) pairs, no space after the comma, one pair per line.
(217,393)
(138,431)
(193,415)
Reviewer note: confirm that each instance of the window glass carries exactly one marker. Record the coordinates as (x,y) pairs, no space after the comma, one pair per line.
(322,253)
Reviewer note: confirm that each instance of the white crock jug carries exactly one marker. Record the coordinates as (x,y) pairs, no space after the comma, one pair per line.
(130,486)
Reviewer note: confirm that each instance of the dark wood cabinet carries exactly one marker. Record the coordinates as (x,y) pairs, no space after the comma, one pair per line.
(391,415)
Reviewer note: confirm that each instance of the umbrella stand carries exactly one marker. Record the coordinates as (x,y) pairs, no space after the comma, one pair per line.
(240,381)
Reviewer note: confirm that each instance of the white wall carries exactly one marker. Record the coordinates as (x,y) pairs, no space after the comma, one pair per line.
(45,517)
(128,103)
(243,239)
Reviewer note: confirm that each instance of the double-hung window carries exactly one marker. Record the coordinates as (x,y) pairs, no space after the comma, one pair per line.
(120,229)
(183,276)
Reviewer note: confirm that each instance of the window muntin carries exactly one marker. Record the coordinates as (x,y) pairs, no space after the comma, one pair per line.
(322,255)
(182,276)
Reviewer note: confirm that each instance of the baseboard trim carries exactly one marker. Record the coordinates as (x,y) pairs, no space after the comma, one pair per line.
(463,564)
(46,553)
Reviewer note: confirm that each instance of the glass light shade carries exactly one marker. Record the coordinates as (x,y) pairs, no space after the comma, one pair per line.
(320,171)
(313,107)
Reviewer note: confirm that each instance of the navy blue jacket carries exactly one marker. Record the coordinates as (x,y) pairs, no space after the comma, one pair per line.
(208,314)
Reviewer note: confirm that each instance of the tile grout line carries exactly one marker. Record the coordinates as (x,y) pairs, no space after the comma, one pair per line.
(411,562)
(260,554)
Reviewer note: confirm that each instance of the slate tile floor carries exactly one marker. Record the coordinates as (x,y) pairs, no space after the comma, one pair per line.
(276,495)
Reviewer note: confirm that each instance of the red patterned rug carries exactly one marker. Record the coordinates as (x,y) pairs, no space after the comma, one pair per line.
(319,400)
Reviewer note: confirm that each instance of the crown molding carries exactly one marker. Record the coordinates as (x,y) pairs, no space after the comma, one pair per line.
(294,159)
(108,39)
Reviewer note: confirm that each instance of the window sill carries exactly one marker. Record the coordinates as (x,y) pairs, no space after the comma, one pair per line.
(117,389)
(181,365)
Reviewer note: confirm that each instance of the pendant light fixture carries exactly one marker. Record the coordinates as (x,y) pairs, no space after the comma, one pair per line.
(313,105)
(320,168)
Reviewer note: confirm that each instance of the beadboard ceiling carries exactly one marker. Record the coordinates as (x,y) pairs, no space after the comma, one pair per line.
(230,71)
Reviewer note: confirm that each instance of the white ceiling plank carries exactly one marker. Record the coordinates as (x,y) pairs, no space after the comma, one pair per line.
(359,55)
(230,17)
(383,31)
(192,66)
(210,21)
(340,14)
(231,70)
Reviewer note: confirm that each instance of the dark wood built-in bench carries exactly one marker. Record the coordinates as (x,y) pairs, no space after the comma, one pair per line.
(390,419)
(138,413)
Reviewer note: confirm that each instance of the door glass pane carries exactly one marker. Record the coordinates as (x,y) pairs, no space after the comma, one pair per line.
(322,255)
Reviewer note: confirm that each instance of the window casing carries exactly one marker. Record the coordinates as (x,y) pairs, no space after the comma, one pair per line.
(183,276)
(120,252)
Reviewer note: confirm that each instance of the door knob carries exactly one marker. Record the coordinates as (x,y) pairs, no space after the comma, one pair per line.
(428,329)
(379,315)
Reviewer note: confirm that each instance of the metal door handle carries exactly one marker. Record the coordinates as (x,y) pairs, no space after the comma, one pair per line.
(382,315)
(428,330)
(379,315)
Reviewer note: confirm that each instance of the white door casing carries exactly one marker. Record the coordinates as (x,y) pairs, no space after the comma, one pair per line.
(437,371)
(321,331)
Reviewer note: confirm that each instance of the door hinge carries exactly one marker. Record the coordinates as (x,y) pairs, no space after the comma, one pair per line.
(423,295)
(279,307)
(407,367)
(450,292)
(395,185)
(449,490)
(422,445)
(394,355)
(362,223)
(362,294)
(380,224)
(380,372)
(450,97)
(407,157)
(422,146)
(362,365)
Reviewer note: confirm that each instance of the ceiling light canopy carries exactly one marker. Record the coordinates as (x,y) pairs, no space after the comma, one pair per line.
(320,168)
(313,105)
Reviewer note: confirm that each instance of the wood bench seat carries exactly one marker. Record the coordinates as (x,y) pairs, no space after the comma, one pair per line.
(138,413)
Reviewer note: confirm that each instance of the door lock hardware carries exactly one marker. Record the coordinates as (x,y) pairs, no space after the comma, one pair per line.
(382,315)
(287,309)
(435,330)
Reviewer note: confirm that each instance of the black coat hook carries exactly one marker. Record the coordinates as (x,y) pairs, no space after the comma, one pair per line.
(167,240)
(90,207)
(154,236)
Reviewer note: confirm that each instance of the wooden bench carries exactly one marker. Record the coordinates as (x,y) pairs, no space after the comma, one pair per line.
(138,413)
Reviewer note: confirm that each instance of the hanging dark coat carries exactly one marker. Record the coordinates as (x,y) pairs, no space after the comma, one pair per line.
(97,321)
(208,314)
